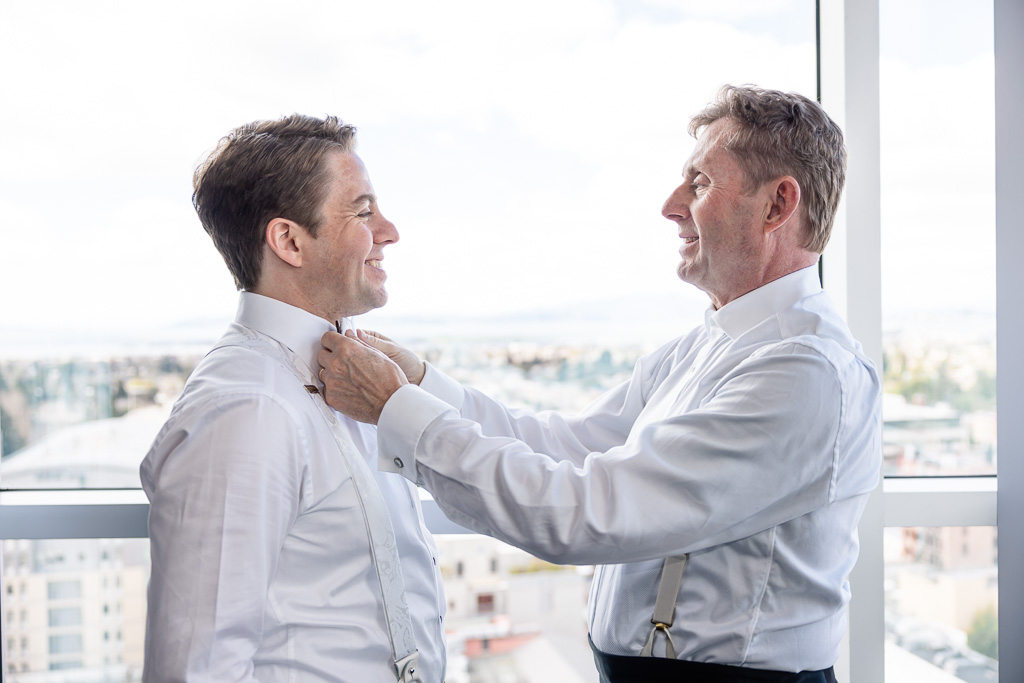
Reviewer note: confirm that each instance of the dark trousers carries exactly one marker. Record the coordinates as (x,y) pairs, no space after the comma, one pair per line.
(625,669)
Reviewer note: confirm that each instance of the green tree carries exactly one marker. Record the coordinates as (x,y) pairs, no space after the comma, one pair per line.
(983,635)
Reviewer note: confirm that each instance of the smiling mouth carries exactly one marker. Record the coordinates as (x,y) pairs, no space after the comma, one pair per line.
(373,264)
(690,240)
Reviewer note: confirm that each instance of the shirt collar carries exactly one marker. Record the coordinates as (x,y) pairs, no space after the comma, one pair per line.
(294,327)
(738,316)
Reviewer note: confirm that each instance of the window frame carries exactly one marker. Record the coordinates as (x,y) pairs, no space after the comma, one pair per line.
(1009,142)
(849,37)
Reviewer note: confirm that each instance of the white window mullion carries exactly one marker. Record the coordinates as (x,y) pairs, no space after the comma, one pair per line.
(1009,96)
(852,276)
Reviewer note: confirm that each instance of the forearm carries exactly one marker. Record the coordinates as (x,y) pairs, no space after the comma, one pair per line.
(601,426)
(679,483)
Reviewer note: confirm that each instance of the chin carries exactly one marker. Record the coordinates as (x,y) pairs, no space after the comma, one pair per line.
(364,304)
(376,301)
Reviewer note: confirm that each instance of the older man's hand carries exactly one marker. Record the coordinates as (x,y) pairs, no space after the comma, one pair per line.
(411,365)
(358,379)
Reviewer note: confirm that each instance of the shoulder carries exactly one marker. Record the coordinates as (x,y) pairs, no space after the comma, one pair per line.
(823,383)
(809,347)
(238,403)
(238,374)
(815,325)
(818,362)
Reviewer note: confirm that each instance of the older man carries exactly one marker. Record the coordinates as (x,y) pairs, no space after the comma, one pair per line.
(721,485)
(279,552)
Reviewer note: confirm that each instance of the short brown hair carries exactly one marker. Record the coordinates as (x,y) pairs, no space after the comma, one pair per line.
(781,134)
(261,171)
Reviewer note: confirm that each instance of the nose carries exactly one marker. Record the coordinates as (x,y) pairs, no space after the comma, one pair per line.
(384,231)
(677,206)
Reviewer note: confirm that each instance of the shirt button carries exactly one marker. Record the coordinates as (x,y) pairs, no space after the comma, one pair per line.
(398,463)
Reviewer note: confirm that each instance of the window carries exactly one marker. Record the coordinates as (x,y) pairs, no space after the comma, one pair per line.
(64,590)
(938,304)
(517,135)
(533,120)
(64,395)
(938,328)
(849,67)
(485,603)
(66,616)
(941,602)
(65,644)
(75,607)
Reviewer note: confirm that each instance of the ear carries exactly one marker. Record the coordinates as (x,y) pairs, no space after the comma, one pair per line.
(785,198)
(284,237)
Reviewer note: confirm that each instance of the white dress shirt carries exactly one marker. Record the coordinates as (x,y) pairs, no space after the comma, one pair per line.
(261,558)
(750,443)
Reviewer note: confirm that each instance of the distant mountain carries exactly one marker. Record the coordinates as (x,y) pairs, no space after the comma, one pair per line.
(646,320)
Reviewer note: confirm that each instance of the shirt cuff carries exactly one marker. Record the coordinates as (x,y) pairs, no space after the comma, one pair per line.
(401,425)
(442,386)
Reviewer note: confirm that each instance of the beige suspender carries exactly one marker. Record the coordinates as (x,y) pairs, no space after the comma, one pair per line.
(665,604)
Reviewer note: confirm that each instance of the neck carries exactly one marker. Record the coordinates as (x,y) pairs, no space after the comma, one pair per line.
(293,295)
(771,272)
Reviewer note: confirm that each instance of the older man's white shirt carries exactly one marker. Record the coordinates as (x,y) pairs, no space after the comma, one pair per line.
(750,443)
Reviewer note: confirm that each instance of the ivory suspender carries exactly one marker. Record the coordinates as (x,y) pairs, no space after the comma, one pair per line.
(383,550)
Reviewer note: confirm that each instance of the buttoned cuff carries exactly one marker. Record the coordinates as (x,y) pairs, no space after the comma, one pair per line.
(401,425)
(442,386)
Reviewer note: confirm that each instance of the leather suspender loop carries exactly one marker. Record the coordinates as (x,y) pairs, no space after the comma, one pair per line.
(670,649)
(665,605)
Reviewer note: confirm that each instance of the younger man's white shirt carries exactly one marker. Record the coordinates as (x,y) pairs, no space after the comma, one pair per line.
(261,559)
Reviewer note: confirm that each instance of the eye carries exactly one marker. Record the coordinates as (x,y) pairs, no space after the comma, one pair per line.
(366,214)
(701,181)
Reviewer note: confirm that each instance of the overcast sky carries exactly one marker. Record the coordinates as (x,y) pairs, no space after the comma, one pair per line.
(523,149)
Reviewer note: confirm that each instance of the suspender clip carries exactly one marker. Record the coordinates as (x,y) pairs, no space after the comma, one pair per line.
(408,668)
